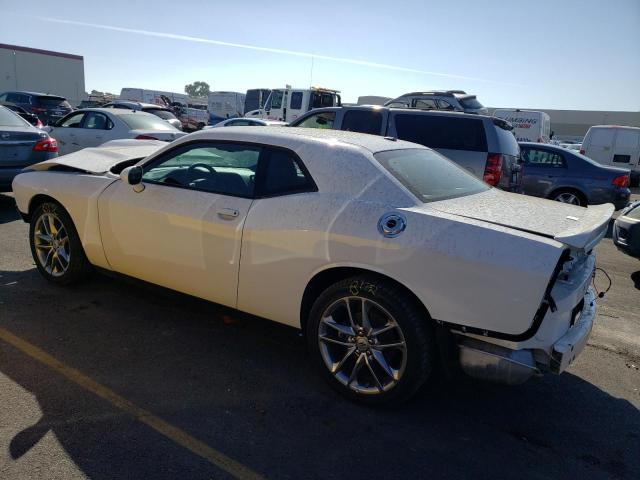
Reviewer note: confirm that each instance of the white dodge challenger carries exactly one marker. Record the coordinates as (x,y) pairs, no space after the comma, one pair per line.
(390,258)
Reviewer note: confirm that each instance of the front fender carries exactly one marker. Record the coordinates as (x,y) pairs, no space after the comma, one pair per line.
(77,193)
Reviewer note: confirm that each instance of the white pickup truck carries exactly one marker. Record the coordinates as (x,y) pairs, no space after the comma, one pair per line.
(287,104)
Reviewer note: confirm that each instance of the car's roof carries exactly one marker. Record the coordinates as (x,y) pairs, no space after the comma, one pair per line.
(415,111)
(137,104)
(628,127)
(113,111)
(373,143)
(36,94)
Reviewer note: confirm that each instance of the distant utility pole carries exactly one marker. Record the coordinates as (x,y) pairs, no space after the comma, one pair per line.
(311,74)
(15,69)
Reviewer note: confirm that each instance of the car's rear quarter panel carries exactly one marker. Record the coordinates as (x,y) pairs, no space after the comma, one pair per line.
(77,193)
(465,272)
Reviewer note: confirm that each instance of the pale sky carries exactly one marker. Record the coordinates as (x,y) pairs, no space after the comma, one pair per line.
(568,54)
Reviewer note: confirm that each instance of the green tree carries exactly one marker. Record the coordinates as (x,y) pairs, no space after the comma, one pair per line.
(197,89)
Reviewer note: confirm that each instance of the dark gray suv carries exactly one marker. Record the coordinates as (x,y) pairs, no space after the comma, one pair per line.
(448,100)
(484,145)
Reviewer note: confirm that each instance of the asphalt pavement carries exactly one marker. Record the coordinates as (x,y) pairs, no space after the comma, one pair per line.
(111,379)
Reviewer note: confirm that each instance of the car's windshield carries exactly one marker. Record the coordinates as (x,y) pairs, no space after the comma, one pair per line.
(10,119)
(159,112)
(138,121)
(429,175)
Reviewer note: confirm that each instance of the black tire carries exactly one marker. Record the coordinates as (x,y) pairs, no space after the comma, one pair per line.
(578,194)
(78,266)
(416,329)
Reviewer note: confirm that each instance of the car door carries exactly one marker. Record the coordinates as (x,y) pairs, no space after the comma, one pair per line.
(183,229)
(66,132)
(94,130)
(544,170)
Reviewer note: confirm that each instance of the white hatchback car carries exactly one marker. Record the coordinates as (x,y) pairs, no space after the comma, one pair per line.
(386,254)
(92,127)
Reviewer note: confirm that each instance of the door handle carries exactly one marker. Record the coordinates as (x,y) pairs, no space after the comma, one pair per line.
(228,213)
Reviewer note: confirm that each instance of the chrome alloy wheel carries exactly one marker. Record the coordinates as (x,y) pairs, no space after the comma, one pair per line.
(362,345)
(51,242)
(567,197)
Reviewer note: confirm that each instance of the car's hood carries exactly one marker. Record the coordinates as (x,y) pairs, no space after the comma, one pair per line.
(575,226)
(101,159)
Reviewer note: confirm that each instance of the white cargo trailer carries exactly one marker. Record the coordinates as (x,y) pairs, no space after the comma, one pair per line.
(528,125)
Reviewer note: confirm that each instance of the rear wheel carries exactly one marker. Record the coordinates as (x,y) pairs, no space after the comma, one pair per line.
(370,340)
(566,195)
(55,245)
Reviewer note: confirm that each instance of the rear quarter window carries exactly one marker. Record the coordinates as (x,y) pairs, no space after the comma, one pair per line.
(470,102)
(440,131)
(362,121)
(507,143)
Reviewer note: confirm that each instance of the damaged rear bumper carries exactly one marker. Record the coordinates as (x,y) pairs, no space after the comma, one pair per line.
(573,342)
(500,364)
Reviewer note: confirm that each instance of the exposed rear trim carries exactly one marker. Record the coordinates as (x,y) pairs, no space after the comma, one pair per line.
(547,302)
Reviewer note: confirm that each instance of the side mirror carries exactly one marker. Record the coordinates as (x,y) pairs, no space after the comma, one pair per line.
(133,176)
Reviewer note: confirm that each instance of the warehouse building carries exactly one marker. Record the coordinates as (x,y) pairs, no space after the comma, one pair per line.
(31,69)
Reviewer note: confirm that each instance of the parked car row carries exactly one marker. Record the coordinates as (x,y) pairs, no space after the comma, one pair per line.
(487,148)
(92,127)
(48,108)
(21,145)
(388,255)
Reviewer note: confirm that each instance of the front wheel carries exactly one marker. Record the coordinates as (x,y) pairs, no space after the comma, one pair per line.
(370,340)
(55,245)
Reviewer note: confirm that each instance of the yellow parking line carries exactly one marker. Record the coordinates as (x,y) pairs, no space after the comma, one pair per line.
(176,434)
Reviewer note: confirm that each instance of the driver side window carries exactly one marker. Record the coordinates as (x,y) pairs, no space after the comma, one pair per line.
(224,168)
(73,121)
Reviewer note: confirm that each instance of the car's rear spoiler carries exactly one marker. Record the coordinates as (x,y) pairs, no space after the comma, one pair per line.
(591,228)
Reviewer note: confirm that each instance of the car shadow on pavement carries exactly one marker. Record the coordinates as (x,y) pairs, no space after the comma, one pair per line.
(8,210)
(245,387)
(635,277)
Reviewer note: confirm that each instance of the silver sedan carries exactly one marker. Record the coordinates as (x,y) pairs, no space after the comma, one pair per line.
(92,127)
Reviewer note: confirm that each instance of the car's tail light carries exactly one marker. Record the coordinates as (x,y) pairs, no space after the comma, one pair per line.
(493,169)
(145,137)
(582,151)
(46,145)
(622,181)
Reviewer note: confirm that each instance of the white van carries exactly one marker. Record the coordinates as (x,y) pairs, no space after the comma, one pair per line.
(287,104)
(528,125)
(224,105)
(614,145)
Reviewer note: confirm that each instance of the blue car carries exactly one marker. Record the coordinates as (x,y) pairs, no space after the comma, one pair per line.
(560,174)
(21,145)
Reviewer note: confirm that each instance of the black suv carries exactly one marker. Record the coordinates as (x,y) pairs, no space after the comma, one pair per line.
(48,108)
(483,145)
